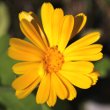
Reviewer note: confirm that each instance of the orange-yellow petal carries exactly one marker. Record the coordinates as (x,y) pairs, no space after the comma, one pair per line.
(94,57)
(32,34)
(24,81)
(67,27)
(88,50)
(38,27)
(71,90)
(46,15)
(56,28)
(52,96)
(19,54)
(77,79)
(25,46)
(43,90)
(59,87)
(94,76)
(23,50)
(27,67)
(79,23)
(32,18)
(88,53)
(25,15)
(78,67)
(83,42)
(25,92)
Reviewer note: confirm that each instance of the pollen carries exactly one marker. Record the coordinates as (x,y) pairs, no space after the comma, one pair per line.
(53,60)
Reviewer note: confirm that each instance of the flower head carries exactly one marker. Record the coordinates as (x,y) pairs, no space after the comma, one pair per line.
(47,62)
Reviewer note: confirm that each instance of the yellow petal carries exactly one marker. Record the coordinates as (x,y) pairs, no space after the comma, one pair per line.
(25,15)
(46,15)
(67,27)
(78,67)
(23,50)
(56,20)
(25,92)
(85,53)
(22,55)
(38,27)
(25,46)
(24,81)
(94,57)
(94,76)
(71,90)
(26,67)
(31,33)
(83,42)
(77,79)
(43,90)
(52,96)
(88,50)
(59,87)
(32,18)
(79,23)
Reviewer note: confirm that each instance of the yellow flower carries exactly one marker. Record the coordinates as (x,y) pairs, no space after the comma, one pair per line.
(47,62)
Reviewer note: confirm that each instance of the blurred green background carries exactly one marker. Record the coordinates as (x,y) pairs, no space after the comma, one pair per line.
(98,13)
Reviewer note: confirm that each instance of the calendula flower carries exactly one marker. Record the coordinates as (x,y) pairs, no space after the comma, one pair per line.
(47,62)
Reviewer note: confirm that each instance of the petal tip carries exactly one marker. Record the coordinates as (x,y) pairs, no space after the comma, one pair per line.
(81,14)
(25,15)
(46,4)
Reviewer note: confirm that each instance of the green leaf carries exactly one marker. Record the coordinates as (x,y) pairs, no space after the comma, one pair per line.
(4,19)
(8,99)
(103,66)
(4,43)
(6,63)
(45,107)
(6,73)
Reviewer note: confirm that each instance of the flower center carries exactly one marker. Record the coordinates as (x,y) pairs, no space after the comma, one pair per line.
(53,60)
